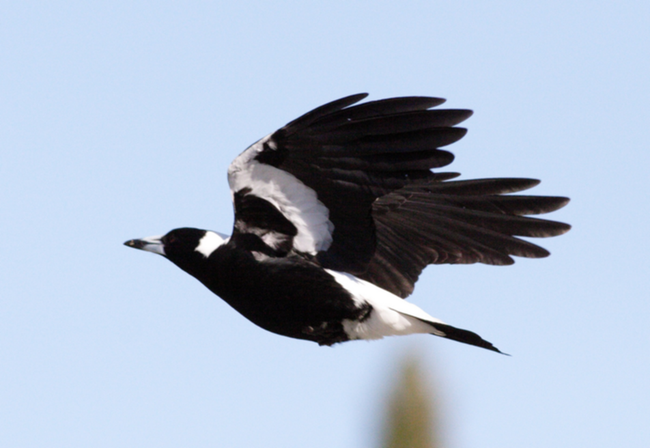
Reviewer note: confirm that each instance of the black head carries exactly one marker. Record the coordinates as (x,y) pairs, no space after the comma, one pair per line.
(185,247)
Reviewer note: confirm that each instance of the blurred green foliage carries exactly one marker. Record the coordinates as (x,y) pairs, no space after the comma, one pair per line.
(411,420)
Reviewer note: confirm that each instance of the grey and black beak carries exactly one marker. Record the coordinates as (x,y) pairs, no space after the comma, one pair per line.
(150,244)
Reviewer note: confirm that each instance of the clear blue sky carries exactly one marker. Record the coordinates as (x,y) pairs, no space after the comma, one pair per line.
(119,119)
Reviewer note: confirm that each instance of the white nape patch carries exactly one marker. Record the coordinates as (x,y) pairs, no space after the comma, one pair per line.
(391,315)
(210,242)
(296,201)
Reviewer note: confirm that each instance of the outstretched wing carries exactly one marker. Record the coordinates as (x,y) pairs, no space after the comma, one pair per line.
(352,187)
(456,222)
(323,171)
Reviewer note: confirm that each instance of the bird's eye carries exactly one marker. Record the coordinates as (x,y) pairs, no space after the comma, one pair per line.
(170,239)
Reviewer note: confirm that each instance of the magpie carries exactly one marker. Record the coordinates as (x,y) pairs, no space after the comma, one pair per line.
(337,214)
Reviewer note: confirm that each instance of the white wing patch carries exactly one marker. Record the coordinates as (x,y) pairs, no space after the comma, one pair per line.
(296,201)
(391,315)
(210,242)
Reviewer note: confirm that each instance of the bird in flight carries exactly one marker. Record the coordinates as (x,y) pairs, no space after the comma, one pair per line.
(337,214)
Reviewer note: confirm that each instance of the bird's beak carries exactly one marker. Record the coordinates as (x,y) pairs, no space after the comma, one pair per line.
(150,244)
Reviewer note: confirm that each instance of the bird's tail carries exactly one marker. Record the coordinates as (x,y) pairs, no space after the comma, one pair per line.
(464,336)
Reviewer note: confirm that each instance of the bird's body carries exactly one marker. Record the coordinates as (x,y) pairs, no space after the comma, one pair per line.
(338,212)
(285,295)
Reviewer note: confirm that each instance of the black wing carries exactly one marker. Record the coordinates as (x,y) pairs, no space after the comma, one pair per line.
(353,187)
(456,222)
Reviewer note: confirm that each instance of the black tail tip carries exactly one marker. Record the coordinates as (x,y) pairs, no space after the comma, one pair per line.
(466,337)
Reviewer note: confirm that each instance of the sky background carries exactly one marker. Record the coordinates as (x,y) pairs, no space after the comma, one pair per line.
(118,120)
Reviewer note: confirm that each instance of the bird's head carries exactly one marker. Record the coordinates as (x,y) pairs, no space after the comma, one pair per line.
(185,247)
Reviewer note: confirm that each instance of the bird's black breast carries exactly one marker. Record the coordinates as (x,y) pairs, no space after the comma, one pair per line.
(289,296)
